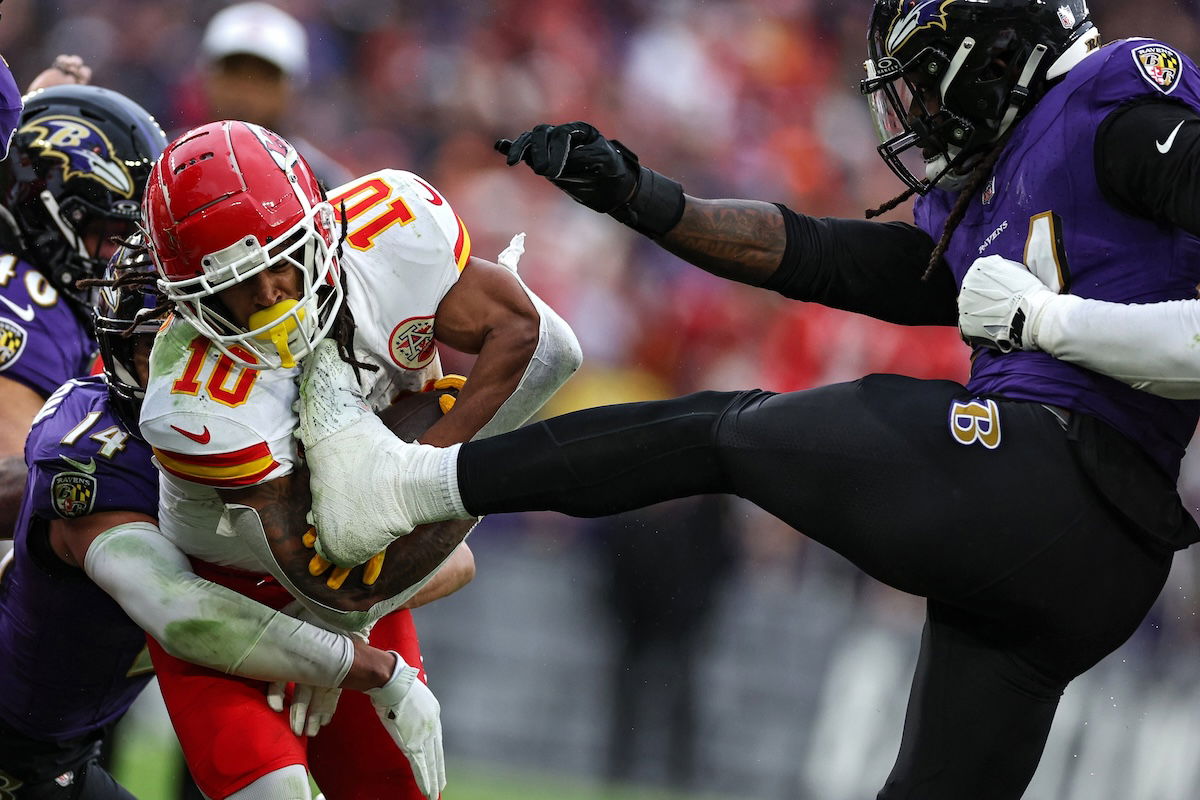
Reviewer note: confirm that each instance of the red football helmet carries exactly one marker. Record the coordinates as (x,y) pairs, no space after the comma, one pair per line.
(226,201)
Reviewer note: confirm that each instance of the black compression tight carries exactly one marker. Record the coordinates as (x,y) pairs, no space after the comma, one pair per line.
(1031,576)
(601,461)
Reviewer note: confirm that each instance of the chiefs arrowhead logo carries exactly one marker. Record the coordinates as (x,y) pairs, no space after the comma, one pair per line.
(411,343)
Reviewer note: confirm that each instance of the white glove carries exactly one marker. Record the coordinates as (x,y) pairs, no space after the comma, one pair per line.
(1001,305)
(368,487)
(411,715)
(312,706)
(510,256)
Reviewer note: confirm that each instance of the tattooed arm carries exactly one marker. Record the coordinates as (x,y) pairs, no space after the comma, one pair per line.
(741,240)
(871,268)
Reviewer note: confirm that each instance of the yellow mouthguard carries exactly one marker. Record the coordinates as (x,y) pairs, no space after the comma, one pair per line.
(277,334)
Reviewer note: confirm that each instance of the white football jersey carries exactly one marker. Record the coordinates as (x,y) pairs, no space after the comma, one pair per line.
(215,425)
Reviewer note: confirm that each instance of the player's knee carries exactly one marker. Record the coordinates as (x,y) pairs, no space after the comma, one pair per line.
(286,783)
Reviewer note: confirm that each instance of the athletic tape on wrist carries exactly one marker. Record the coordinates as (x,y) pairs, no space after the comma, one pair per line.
(656,205)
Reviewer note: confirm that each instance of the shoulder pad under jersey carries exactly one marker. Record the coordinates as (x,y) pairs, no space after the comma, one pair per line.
(82,460)
(405,249)
(43,343)
(212,422)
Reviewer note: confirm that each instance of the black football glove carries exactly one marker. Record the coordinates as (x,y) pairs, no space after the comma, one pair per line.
(595,171)
(600,173)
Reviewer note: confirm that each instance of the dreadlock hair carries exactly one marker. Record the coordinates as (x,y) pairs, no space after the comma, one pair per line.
(978,175)
(146,282)
(883,208)
(343,322)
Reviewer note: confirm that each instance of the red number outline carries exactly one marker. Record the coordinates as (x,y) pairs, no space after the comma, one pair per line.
(397,212)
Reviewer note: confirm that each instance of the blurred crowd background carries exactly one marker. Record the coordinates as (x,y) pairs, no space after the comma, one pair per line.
(699,645)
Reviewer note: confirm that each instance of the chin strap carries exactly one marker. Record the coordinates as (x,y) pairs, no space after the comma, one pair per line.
(1020,93)
(69,235)
(960,56)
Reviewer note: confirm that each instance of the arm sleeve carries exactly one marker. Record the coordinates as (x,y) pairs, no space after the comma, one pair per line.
(207,624)
(556,359)
(1151,346)
(872,268)
(1148,162)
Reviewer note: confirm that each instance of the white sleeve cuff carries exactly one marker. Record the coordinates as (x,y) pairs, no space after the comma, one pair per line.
(555,359)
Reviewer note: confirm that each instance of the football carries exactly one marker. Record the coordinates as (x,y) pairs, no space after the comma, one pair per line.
(409,559)
(414,412)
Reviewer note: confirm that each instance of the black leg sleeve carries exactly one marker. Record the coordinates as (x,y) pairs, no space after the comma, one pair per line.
(978,716)
(599,461)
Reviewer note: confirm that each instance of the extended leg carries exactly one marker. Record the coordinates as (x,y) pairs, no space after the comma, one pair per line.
(600,461)
(869,468)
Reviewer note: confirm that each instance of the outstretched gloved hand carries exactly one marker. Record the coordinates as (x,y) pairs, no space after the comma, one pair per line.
(600,173)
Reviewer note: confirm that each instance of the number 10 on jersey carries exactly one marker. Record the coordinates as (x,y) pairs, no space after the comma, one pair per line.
(221,385)
(366,196)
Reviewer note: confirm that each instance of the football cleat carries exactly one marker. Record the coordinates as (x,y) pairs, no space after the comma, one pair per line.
(368,487)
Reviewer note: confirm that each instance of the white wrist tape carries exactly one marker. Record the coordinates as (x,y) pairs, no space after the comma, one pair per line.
(207,624)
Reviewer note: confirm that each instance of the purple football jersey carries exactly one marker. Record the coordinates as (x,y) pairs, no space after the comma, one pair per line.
(43,343)
(10,107)
(1043,207)
(70,659)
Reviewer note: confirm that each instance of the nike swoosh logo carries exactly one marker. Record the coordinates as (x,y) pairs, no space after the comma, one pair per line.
(89,467)
(434,198)
(25,313)
(199,438)
(1165,147)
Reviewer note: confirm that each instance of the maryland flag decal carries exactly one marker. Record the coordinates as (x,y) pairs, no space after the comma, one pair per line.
(1160,65)
(73,494)
(12,343)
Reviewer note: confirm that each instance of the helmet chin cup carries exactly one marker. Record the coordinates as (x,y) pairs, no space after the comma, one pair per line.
(940,174)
